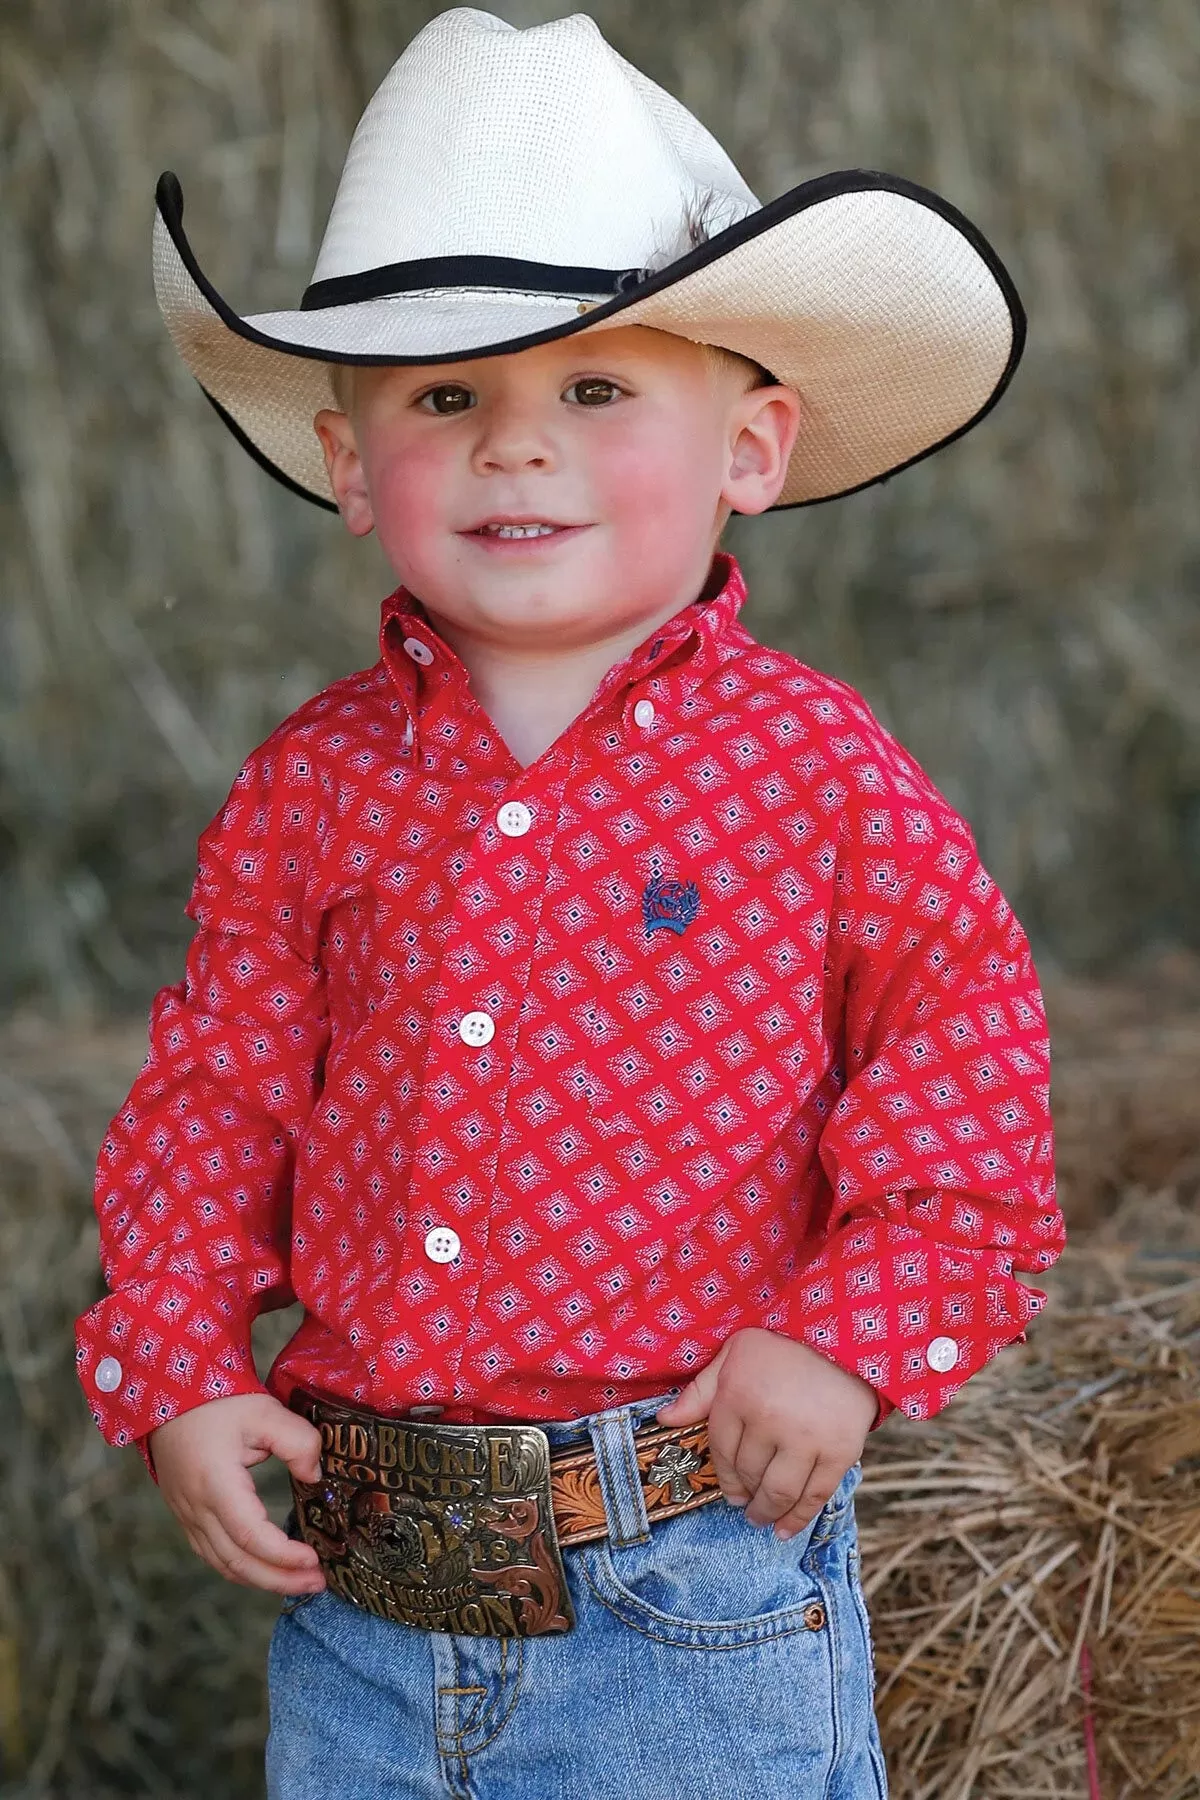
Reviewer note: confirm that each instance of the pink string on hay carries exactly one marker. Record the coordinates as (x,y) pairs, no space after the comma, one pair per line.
(1089,1724)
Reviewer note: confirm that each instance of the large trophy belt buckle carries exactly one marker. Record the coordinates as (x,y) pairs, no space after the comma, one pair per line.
(448,1527)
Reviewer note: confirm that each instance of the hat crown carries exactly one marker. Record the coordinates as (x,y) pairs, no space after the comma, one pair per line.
(541,144)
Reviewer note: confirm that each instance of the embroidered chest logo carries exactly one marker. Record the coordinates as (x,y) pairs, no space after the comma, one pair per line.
(669,905)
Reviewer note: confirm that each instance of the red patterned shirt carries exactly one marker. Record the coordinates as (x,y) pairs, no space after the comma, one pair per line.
(534,1084)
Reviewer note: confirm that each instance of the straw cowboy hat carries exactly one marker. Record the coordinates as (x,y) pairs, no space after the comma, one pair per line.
(506,187)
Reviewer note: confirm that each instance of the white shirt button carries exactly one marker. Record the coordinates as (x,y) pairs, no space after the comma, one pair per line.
(477,1029)
(420,653)
(442,1244)
(643,712)
(514,818)
(942,1354)
(108,1375)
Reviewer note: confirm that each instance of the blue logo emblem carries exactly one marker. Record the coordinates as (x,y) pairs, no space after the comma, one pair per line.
(669,905)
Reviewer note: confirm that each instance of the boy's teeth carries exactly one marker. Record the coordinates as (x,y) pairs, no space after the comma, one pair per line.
(520,530)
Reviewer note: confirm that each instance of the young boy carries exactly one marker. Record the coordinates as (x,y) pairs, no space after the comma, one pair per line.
(597,1022)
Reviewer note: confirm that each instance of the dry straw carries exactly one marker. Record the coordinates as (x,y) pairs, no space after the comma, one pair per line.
(1056,1511)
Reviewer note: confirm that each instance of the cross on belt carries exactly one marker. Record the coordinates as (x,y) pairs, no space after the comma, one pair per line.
(674,1466)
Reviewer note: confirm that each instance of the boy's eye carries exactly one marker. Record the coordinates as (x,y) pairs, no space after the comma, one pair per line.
(448,397)
(593,390)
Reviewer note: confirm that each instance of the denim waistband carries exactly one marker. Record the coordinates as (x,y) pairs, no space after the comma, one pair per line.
(570,1431)
(612,1437)
(611,1433)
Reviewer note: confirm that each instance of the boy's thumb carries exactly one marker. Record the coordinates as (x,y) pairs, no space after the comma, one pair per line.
(297,1443)
(693,1404)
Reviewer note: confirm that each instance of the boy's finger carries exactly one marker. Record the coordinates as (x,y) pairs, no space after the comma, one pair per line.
(724,1436)
(821,1484)
(693,1404)
(781,1488)
(221,1556)
(295,1442)
(754,1455)
(243,1522)
(250,1569)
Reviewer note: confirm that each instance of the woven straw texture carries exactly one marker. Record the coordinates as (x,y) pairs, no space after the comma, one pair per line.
(547,146)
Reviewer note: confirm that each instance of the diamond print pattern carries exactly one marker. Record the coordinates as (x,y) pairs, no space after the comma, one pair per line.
(821,1108)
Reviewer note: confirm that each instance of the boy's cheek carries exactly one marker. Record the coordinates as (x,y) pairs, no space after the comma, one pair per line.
(638,477)
(656,499)
(412,502)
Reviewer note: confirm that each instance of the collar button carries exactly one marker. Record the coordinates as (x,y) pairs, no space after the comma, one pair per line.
(420,653)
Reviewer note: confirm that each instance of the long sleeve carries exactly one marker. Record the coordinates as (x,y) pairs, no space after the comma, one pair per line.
(938,1154)
(193,1185)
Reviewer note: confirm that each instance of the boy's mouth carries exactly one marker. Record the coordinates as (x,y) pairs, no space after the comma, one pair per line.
(496,532)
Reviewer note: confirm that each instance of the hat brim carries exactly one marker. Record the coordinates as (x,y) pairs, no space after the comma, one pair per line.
(875,299)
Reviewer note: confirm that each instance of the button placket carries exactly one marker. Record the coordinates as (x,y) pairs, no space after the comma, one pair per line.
(458,1054)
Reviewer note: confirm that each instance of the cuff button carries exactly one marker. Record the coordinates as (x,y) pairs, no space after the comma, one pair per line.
(942,1354)
(108,1375)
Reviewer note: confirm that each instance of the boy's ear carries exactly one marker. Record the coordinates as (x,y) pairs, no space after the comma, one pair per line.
(344,465)
(763,428)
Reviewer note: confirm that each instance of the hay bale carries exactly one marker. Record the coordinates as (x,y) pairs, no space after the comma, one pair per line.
(1032,1559)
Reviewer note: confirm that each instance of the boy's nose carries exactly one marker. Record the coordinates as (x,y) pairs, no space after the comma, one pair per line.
(512,437)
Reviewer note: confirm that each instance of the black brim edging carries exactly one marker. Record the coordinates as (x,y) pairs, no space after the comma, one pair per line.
(169,200)
(263,460)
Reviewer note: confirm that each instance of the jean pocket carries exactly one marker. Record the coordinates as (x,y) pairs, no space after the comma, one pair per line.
(710,1580)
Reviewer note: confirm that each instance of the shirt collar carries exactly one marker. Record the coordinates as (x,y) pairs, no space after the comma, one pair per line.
(669,663)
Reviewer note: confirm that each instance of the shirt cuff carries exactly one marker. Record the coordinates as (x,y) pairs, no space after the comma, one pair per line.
(915,1338)
(152,1350)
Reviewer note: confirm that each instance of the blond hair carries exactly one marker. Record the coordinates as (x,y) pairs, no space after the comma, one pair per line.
(733,363)
(341,380)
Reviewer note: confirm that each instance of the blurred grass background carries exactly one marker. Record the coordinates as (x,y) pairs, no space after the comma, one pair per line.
(1021,610)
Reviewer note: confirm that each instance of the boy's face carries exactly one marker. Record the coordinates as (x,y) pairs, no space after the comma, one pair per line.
(630,443)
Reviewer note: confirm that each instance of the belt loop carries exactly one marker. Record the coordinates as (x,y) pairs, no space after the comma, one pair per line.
(620,1479)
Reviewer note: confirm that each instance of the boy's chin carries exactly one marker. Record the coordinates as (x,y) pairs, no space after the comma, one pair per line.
(538,614)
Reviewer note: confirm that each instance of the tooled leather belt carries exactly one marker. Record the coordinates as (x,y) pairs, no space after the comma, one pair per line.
(459,1528)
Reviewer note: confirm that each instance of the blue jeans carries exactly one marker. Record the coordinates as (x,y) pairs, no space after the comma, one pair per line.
(697,1669)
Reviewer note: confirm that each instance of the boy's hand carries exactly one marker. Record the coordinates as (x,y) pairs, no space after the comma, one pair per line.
(784,1425)
(203,1461)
